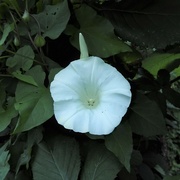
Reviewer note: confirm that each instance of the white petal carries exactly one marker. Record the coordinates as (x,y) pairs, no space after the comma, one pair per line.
(116,83)
(120,100)
(100,124)
(95,71)
(88,69)
(64,110)
(115,110)
(63,91)
(79,122)
(67,84)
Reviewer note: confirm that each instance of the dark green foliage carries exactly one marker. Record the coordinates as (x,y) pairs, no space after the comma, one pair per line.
(145,145)
(146,23)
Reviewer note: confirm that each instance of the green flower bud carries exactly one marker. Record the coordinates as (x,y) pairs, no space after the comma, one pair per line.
(26,16)
(16,41)
(39,41)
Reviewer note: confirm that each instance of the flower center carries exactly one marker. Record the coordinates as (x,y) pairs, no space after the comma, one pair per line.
(91,102)
(90,98)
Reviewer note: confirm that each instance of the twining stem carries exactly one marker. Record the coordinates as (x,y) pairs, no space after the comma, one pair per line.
(5,75)
(4,57)
(39,52)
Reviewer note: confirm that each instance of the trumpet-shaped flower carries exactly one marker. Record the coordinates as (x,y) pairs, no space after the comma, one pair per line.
(90,95)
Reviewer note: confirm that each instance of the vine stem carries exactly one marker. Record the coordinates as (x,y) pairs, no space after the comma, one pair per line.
(3,57)
(5,75)
(39,52)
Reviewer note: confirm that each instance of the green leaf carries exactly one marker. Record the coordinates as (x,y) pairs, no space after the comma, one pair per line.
(24,78)
(52,20)
(16,149)
(52,73)
(145,23)
(146,118)
(176,72)
(100,164)
(7,29)
(51,64)
(8,114)
(98,33)
(4,158)
(24,159)
(34,137)
(172,177)
(120,143)
(34,104)
(56,159)
(155,62)
(23,59)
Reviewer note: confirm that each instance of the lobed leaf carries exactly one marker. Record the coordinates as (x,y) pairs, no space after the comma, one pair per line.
(23,59)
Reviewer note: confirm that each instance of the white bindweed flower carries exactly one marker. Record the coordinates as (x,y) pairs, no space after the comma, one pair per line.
(90,96)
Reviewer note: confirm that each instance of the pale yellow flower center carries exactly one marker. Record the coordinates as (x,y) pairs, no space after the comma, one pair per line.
(91,102)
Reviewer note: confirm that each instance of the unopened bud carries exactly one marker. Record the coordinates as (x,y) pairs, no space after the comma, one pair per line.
(16,41)
(39,41)
(26,16)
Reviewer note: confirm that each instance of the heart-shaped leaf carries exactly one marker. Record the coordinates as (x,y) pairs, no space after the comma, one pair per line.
(52,20)
(34,103)
(100,164)
(98,33)
(56,159)
(120,143)
(146,118)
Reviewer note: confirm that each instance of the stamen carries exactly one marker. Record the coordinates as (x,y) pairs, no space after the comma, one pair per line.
(91,102)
